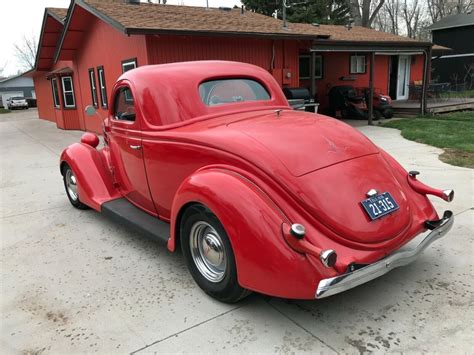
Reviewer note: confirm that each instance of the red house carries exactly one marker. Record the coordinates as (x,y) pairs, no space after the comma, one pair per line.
(84,49)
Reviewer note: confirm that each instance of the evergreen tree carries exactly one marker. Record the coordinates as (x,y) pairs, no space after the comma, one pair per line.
(312,11)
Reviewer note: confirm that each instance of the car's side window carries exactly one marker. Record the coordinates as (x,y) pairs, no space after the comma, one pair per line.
(124,107)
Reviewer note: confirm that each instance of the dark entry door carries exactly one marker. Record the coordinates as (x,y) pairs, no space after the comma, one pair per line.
(393,77)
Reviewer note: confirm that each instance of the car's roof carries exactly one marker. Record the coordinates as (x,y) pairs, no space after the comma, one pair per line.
(171,90)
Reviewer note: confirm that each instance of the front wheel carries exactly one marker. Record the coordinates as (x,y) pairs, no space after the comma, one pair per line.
(70,184)
(209,255)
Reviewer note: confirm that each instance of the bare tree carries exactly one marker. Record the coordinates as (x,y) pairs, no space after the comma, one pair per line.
(26,52)
(364,12)
(411,13)
(2,68)
(442,8)
(387,19)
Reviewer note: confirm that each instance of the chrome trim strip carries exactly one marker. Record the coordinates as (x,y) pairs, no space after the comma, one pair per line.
(338,284)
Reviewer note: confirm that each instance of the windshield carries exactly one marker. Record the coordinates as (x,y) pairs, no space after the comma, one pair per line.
(224,91)
(17,98)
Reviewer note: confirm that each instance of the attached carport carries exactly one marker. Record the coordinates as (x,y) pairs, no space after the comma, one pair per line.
(373,49)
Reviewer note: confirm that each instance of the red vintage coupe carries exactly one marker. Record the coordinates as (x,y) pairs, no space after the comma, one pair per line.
(209,156)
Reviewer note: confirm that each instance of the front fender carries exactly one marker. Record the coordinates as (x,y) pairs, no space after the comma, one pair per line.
(94,182)
(265,262)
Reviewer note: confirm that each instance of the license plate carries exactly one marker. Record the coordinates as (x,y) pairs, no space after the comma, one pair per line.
(380,205)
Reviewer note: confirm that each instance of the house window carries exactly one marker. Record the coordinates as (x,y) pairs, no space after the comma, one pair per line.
(93,85)
(305,64)
(357,64)
(68,92)
(129,64)
(54,86)
(102,88)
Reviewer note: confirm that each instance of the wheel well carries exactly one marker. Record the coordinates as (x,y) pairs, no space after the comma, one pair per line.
(179,217)
(63,166)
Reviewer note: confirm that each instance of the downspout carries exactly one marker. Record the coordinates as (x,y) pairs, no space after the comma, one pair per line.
(424,89)
(371,88)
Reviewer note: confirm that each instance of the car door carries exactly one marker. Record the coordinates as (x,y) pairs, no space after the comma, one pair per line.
(125,142)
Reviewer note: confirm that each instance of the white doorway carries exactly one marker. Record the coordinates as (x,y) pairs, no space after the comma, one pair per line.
(403,77)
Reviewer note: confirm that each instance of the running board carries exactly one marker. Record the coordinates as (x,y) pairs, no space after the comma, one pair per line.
(123,212)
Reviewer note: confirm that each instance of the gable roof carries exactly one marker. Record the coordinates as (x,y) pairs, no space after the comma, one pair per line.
(459,20)
(51,30)
(58,13)
(148,18)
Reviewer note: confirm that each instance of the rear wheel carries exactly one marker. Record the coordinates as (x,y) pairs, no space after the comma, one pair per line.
(209,255)
(70,184)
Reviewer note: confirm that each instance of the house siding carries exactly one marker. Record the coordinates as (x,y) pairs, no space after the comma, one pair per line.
(168,49)
(455,70)
(105,46)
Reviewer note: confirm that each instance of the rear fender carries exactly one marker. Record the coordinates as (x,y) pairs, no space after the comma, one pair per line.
(265,263)
(94,182)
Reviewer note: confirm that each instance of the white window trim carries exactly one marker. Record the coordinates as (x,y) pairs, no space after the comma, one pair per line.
(356,57)
(68,92)
(309,57)
(54,85)
(93,88)
(103,92)
(129,63)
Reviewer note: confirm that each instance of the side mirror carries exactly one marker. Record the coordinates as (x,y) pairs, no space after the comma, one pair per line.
(90,110)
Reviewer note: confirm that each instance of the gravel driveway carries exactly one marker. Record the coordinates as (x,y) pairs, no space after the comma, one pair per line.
(72,281)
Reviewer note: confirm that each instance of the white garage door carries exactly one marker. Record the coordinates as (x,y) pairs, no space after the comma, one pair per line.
(8,94)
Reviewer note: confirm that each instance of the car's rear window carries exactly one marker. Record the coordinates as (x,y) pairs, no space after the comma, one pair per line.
(226,91)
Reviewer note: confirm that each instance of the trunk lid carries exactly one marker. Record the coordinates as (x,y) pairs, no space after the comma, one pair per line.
(334,196)
(305,142)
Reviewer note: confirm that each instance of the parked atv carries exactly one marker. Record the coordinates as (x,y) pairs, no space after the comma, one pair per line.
(344,102)
(382,103)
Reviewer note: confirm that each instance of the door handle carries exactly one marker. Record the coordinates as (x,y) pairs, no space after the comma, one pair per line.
(135,147)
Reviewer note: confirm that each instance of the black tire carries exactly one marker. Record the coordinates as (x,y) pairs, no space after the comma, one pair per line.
(377,115)
(73,198)
(388,113)
(226,289)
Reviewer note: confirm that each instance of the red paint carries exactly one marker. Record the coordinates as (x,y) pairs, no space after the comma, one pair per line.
(231,159)
(90,139)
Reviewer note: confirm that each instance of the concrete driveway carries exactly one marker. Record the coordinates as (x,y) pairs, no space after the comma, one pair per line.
(72,281)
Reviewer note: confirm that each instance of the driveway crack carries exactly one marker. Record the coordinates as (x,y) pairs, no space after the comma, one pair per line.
(301,327)
(185,330)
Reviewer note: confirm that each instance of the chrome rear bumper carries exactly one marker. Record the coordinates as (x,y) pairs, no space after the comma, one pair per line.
(341,283)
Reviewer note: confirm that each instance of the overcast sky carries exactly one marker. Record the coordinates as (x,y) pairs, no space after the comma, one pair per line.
(24,17)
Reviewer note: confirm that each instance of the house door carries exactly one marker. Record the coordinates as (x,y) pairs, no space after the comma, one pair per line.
(403,77)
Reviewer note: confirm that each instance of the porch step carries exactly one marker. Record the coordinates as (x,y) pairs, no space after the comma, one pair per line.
(123,212)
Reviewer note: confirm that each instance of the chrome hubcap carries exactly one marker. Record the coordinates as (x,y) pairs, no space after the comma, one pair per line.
(71,185)
(207,250)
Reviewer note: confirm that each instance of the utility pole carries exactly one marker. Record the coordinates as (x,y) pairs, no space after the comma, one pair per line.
(285,24)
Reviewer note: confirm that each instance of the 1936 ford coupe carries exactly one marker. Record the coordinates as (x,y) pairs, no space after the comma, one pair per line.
(209,156)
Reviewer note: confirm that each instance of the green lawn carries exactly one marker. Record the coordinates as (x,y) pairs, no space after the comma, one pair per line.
(3,110)
(454,132)
(460,94)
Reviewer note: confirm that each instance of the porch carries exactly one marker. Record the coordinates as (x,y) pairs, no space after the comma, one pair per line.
(411,108)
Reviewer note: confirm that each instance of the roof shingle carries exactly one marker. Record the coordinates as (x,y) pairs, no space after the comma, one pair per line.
(178,19)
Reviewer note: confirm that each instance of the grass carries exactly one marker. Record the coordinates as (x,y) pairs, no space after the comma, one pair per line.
(458,94)
(453,132)
(4,110)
